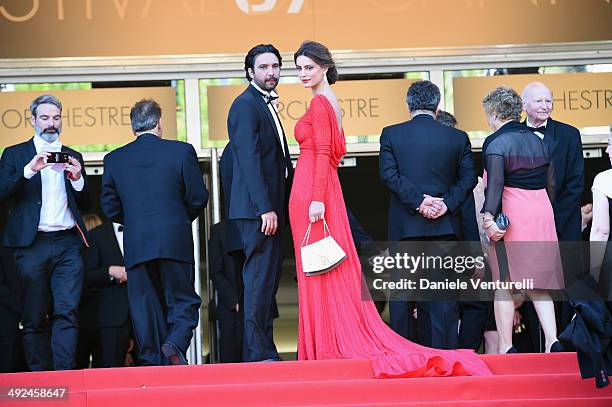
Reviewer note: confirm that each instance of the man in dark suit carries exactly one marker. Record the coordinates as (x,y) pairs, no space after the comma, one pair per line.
(105,326)
(46,229)
(261,181)
(155,189)
(473,314)
(12,357)
(565,146)
(429,169)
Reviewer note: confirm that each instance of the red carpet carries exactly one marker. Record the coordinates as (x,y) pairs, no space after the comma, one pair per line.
(520,380)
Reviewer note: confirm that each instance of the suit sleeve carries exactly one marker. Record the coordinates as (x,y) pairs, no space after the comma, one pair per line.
(322,133)
(467,179)
(243,129)
(569,196)
(11,177)
(227,294)
(109,199)
(82,197)
(408,193)
(195,192)
(96,271)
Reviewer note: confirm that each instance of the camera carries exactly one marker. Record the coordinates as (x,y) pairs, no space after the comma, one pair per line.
(58,158)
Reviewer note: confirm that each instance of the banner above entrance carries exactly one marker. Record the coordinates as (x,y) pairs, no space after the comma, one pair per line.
(580,99)
(96,116)
(367,106)
(88,28)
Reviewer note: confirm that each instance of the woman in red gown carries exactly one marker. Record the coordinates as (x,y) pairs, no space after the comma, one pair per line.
(336,319)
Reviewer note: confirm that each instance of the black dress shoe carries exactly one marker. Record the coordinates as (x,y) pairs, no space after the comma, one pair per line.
(512,350)
(557,347)
(174,354)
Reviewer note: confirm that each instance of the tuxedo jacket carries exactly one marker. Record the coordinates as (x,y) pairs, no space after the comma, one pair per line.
(154,187)
(104,303)
(10,290)
(25,195)
(565,148)
(422,156)
(258,182)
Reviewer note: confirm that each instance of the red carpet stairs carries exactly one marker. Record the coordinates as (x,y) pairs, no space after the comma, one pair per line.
(519,380)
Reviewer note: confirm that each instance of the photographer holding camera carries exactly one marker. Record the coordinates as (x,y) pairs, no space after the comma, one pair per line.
(45,190)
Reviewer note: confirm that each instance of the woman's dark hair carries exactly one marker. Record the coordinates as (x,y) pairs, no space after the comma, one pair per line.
(321,55)
(249,60)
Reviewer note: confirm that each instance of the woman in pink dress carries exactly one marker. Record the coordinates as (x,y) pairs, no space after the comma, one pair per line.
(337,320)
(519,179)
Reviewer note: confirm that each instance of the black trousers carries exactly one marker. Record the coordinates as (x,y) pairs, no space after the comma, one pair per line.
(106,346)
(51,270)
(231,338)
(164,307)
(12,358)
(261,275)
(437,321)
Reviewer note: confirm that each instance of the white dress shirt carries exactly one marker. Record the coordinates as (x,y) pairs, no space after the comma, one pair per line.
(119,235)
(540,135)
(54,212)
(272,109)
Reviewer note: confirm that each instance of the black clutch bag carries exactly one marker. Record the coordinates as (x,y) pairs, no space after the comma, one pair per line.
(502,221)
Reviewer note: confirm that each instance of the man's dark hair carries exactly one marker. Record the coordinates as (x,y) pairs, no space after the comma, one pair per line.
(145,115)
(423,95)
(446,118)
(249,60)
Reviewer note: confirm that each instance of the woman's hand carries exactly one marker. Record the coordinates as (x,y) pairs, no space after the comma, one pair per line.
(494,233)
(316,212)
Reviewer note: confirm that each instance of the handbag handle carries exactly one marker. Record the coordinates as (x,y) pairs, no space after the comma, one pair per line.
(307,235)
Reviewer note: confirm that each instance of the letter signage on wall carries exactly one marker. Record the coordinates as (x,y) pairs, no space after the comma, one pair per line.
(580,99)
(96,116)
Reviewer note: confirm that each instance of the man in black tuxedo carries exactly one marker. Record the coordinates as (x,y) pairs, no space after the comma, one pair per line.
(565,146)
(104,321)
(155,189)
(429,169)
(261,181)
(12,357)
(46,229)
(473,314)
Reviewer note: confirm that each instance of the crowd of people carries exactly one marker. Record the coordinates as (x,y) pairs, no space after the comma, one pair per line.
(122,292)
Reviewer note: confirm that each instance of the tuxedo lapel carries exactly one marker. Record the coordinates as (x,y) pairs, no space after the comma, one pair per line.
(550,138)
(30,153)
(264,109)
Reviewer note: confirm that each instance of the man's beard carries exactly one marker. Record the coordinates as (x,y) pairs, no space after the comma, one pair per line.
(265,86)
(49,134)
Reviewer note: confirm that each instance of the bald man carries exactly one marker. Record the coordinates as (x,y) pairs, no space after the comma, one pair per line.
(565,146)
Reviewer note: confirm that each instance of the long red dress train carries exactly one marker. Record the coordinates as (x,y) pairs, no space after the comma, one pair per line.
(334,321)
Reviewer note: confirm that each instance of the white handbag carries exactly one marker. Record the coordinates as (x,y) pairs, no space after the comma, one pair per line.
(321,256)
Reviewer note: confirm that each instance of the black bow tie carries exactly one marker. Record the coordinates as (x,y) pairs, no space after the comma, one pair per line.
(120,228)
(541,129)
(270,98)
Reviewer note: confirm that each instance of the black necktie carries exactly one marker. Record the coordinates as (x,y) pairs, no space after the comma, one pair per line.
(541,129)
(120,229)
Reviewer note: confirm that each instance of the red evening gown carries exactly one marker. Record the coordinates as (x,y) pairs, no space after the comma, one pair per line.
(334,321)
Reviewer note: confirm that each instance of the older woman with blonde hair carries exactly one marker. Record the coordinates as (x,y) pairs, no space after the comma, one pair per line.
(519,178)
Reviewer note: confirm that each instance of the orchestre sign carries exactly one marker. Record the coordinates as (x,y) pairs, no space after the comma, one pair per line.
(84,28)
(96,116)
(366,106)
(580,99)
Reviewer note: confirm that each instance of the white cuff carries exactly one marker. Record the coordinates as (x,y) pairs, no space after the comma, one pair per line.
(27,172)
(78,185)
